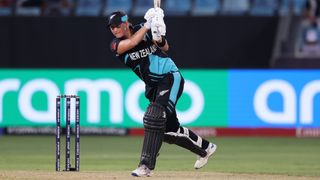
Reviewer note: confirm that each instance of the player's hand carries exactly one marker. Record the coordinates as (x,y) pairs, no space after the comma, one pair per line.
(158,25)
(155,33)
(147,24)
(159,12)
(151,14)
(148,17)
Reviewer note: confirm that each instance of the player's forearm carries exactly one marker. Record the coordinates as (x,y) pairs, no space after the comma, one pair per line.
(165,47)
(138,36)
(163,44)
(133,41)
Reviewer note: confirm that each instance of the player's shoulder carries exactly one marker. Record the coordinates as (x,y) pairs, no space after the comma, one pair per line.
(114,44)
(115,40)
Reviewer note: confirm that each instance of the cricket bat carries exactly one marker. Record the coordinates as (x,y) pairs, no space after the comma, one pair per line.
(157,3)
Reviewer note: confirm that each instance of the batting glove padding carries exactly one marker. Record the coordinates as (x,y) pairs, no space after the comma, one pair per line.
(158,24)
(148,17)
(155,34)
(153,14)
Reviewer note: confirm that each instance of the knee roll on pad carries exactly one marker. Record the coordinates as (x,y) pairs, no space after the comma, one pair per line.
(155,117)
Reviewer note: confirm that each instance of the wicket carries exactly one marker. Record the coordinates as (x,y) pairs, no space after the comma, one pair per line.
(68,132)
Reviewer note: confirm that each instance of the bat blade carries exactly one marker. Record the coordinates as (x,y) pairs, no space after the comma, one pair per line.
(157,3)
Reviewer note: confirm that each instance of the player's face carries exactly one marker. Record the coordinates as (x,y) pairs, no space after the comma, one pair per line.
(118,31)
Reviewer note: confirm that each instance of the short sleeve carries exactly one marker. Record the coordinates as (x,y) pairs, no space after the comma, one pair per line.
(114,45)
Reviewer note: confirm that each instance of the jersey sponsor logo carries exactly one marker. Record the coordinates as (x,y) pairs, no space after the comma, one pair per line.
(143,53)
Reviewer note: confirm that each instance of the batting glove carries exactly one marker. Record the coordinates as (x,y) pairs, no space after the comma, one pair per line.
(158,24)
(155,34)
(147,24)
(148,17)
(150,14)
(159,12)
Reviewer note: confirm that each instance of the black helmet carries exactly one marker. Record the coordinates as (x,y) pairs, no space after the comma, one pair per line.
(116,18)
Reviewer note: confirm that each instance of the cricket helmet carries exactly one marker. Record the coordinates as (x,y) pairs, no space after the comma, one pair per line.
(116,18)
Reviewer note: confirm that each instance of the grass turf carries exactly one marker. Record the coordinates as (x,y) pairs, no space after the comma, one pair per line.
(285,156)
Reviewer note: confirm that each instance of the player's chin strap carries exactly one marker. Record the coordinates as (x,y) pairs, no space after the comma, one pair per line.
(183,140)
(154,121)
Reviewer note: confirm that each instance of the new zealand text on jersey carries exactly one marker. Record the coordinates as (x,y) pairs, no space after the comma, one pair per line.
(143,52)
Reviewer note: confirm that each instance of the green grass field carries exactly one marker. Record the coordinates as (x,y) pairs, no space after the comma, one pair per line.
(288,157)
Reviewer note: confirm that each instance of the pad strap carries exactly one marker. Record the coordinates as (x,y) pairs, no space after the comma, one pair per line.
(184,141)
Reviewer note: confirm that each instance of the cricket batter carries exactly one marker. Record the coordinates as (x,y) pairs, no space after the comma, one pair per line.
(142,48)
